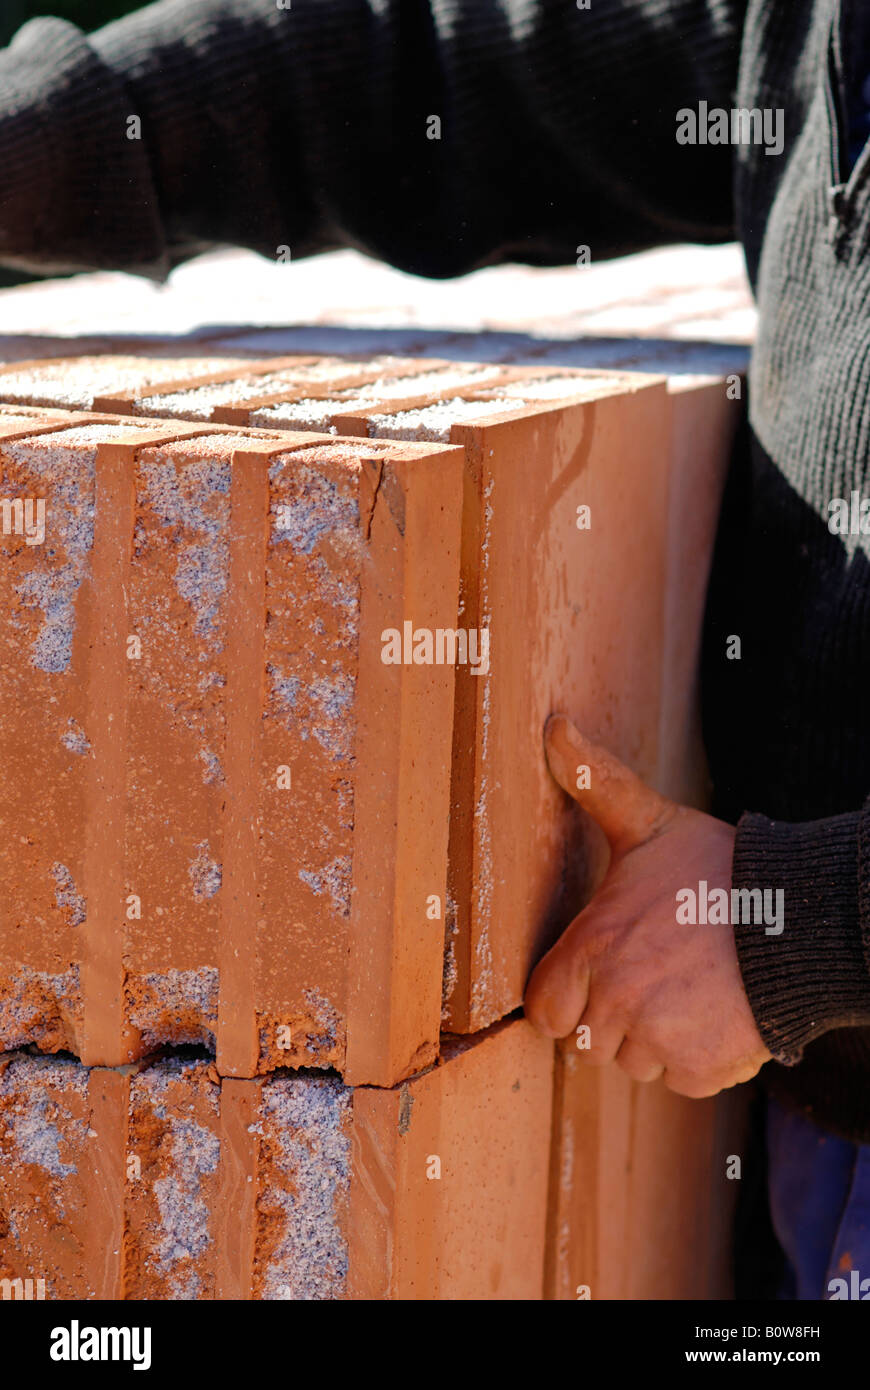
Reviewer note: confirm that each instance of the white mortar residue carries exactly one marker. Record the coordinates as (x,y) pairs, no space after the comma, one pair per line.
(172,994)
(334,878)
(434,422)
(199,402)
(183,1211)
(66,896)
(78,383)
(182,496)
(205,873)
(310,506)
(37,1121)
(74,739)
(26,1020)
(65,477)
(308,1120)
(191,1152)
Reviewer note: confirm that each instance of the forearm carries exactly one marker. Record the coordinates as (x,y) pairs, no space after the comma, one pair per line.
(310,127)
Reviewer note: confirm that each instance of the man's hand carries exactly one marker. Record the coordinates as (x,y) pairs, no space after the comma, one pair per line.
(661,998)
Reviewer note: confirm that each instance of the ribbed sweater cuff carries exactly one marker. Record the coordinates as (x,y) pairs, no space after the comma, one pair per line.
(814,975)
(75,192)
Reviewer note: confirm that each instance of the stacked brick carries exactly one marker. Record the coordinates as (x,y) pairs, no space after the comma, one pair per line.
(276,866)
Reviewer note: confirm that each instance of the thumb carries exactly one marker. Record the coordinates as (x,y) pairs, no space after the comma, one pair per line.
(627,810)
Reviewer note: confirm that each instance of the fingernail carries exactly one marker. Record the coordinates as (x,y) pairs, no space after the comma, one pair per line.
(559,748)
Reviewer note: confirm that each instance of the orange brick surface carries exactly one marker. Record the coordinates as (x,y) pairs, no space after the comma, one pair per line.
(641,1203)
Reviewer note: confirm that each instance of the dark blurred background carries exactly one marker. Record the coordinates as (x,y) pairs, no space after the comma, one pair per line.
(87,14)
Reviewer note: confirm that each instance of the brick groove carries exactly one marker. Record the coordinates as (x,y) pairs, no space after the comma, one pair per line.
(238,1046)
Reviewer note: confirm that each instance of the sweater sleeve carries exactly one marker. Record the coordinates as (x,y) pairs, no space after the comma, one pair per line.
(438,135)
(808,971)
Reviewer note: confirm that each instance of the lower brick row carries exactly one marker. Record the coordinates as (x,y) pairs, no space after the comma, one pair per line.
(162,1180)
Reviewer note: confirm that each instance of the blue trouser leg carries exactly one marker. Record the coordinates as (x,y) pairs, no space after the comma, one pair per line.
(819,1189)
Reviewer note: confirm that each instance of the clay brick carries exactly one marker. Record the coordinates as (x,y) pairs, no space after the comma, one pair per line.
(163,884)
(641,1205)
(164,1182)
(475,1233)
(573,627)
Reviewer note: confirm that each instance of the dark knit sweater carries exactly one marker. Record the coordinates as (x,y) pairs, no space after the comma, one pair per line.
(307,127)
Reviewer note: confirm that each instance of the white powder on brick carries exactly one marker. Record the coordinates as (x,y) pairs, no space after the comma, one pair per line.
(450,970)
(323,708)
(306,414)
(184,1213)
(335,879)
(424,383)
(36,1086)
(66,895)
(285,689)
(212,447)
(326,1018)
(179,494)
(316,414)
(312,685)
(205,873)
(77,383)
(213,772)
(164,1000)
(333,702)
(75,739)
(193,498)
(402,388)
(199,402)
(189,1152)
(195,404)
(313,506)
(434,422)
(33,1001)
(65,477)
(308,1119)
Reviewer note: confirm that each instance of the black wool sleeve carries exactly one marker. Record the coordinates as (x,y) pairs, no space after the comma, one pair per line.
(438,135)
(813,975)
